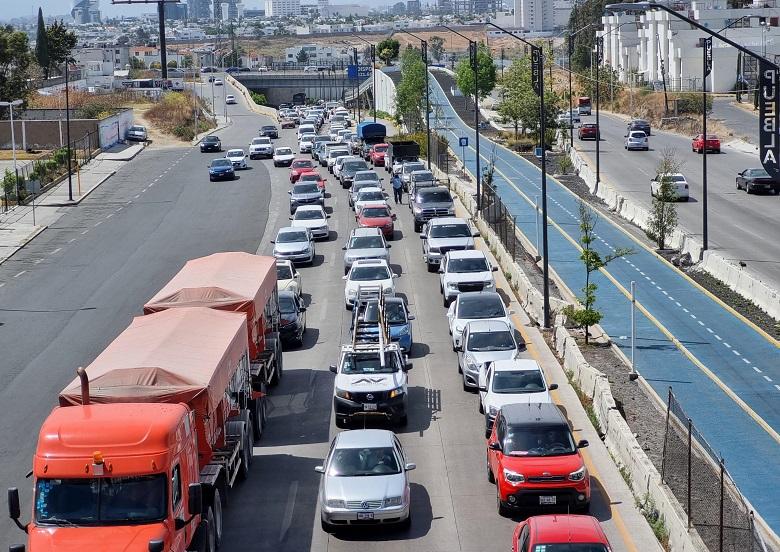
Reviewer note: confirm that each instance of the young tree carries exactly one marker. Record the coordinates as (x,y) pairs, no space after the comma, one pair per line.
(592,260)
(436,48)
(60,41)
(42,45)
(410,92)
(663,210)
(519,103)
(172,64)
(486,71)
(388,50)
(302,56)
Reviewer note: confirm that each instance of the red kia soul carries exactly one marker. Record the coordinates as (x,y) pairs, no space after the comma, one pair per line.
(534,462)
(560,533)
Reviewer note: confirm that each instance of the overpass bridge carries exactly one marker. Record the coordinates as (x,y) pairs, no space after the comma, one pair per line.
(280,86)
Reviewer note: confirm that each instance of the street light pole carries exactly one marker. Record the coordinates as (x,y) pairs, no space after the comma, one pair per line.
(706,69)
(599,57)
(10,105)
(67,128)
(571,99)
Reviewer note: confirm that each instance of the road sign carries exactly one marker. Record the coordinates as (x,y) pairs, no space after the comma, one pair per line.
(769,118)
(707,56)
(463,141)
(538,152)
(358,71)
(537,69)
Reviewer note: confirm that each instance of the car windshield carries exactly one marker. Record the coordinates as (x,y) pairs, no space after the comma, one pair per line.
(518,381)
(678,178)
(269,127)
(371,196)
(221,163)
(454,230)
(571,547)
(395,312)
(375,212)
(491,341)
(235,153)
(437,196)
(303,164)
(338,153)
(422,176)
(262,140)
(538,441)
(355,166)
(257,141)
(283,272)
(467,265)
(366,242)
(480,306)
(137,128)
(369,273)
(369,363)
(291,237)
(287,304)
(305,189)
(380,149)
(283,151)
(370,177)
(101,501)
(211,139)
(362,462)
(308,214)
(309,177)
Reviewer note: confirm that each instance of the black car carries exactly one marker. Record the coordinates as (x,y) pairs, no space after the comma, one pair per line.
(293,318)
(638,124)
(210,143)
(757,180)
(285,106)
(270,131)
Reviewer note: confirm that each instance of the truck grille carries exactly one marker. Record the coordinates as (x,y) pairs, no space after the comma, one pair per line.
(364,504)
(363,397)
(428,214)
(444,250)
(471,286)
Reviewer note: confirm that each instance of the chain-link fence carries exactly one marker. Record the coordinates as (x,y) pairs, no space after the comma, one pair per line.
(31,178)
(698,478)
(501,221)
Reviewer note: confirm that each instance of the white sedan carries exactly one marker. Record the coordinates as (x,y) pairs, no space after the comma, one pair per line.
(230,99)
(237,157)
(312,217)
(305,143)
(283,157)
(366,274)
(288,278)
(520,380)
(677,181)
(218,82)
(369,196)
(474,305)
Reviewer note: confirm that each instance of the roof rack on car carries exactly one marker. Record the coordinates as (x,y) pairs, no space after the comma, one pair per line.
(371,330)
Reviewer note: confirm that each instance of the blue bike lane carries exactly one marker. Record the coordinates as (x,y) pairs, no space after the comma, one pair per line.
(725,373)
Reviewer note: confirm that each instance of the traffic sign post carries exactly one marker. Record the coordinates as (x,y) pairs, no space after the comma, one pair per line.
(463,141)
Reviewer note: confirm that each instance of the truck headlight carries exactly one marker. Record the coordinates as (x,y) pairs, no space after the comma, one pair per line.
(397,392)
(351,292)
(417,209)
(489,284)
(493,411)
(393,501)
(513,477)
(452,285)
(336,503)
(343,394)
(578,475)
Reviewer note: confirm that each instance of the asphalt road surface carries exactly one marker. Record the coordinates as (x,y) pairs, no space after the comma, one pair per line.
(741,226)
(75,287)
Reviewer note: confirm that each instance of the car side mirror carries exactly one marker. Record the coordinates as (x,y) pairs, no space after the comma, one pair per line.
(553,386)
(16,548)
(157,545)
(423,237)
(410,317)
(394,216)
(290,218)
(458,348)
(440,271)
(396,275)
(482,388)
(332,368)
(289,192)
(302,309)
(495,445)
(494,268)
(194,499)
(475,235)
(319,469)
(388,246)
(344,248)
(410,466)
(582,444)
(14,511)
(327,216)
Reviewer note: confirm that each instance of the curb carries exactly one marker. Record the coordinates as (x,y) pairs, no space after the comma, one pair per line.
(84,195)
(144,144)
(200,137)
(26,241)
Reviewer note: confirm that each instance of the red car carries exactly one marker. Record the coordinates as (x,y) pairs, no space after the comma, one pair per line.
(713,143)
(300,166)
(588,131)
(377,216)
(313,176)
(560,532)
(534,462)
(377,154)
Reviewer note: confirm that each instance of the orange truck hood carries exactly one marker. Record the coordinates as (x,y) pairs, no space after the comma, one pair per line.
(113,538)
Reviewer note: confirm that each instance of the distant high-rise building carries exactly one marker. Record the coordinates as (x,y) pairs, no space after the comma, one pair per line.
(177,12)
(412,7)
(85,11)
(226,10)
(323,7)
(199,9)
(542,15)
(282,8)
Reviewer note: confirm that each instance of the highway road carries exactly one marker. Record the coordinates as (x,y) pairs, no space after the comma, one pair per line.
(76,286)
(715,361)
(741,226)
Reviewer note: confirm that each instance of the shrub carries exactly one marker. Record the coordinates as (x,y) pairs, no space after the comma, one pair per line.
(690,102)
(258,98)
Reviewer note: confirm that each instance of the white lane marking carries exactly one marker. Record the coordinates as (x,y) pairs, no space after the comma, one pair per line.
(652,282)
(677,303)
(710,330)
(685,310)
(718,337)
(756,369)
(693,316)
(20,273)
(726,345)
(664,292)
(642,273)
(746,361)
(647,278)
(71,240)
(777,387)
(56,251)
(700,323)
(119,209)
(736,352)
(2,284)
(658,287)
(767,378)
(109,215)
(136,196)
(38,261)
(98,223)
(84,232)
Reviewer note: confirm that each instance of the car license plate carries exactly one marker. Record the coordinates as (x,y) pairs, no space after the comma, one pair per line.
(546,500)
(365,515)
(369,407)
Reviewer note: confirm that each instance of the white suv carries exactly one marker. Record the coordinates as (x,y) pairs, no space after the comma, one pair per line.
(467,270)
(444,234)
(365,275)
(261,147)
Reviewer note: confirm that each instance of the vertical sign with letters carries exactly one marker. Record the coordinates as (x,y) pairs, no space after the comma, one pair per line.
(768,113)
(536,69)
(707,56)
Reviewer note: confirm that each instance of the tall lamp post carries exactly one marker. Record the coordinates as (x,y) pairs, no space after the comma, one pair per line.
(769,148)
(475,68)
(67,127)
(373,72)
(424,52)
(357,82)
(10,105)
(537,77)
(599,59)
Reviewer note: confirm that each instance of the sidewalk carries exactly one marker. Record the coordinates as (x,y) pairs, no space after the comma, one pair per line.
(23,223)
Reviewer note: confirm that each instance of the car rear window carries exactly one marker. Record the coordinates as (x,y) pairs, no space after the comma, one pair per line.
(366,242)
(305,188)
(375,212)
(438,196)
(480,306)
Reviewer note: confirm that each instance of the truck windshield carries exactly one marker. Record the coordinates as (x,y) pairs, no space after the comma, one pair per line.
(101,501)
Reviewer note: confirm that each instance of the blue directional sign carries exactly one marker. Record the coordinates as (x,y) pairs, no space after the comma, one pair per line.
(464,141)
(358,71)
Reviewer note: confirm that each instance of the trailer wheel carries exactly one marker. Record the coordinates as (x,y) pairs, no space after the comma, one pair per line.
(278,369)
(258,415)
(210,536)
(246,417)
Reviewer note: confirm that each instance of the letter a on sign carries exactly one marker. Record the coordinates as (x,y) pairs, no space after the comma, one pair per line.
(768,113)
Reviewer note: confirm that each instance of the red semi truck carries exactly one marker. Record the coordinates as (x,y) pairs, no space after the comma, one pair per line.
(236,282)
(148,441)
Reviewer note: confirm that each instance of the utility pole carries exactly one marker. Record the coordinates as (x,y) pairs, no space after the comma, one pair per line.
(599,58)
(706,70)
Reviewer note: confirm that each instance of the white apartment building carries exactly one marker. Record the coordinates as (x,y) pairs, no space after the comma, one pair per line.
(542,15)
(282,8)
(637,45)
(323,56)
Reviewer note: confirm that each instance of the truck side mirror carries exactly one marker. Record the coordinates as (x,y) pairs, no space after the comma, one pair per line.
(195,499)
(333,368)
(14,512)
(553,387)
(16,548)
(156,545)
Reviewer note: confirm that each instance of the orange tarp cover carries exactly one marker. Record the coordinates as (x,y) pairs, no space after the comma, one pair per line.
(232,281)
(180,355)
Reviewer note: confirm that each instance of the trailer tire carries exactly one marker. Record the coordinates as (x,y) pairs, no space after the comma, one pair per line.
(246,417)
(237,427)
(216,528)
(209,538)
(259,415)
